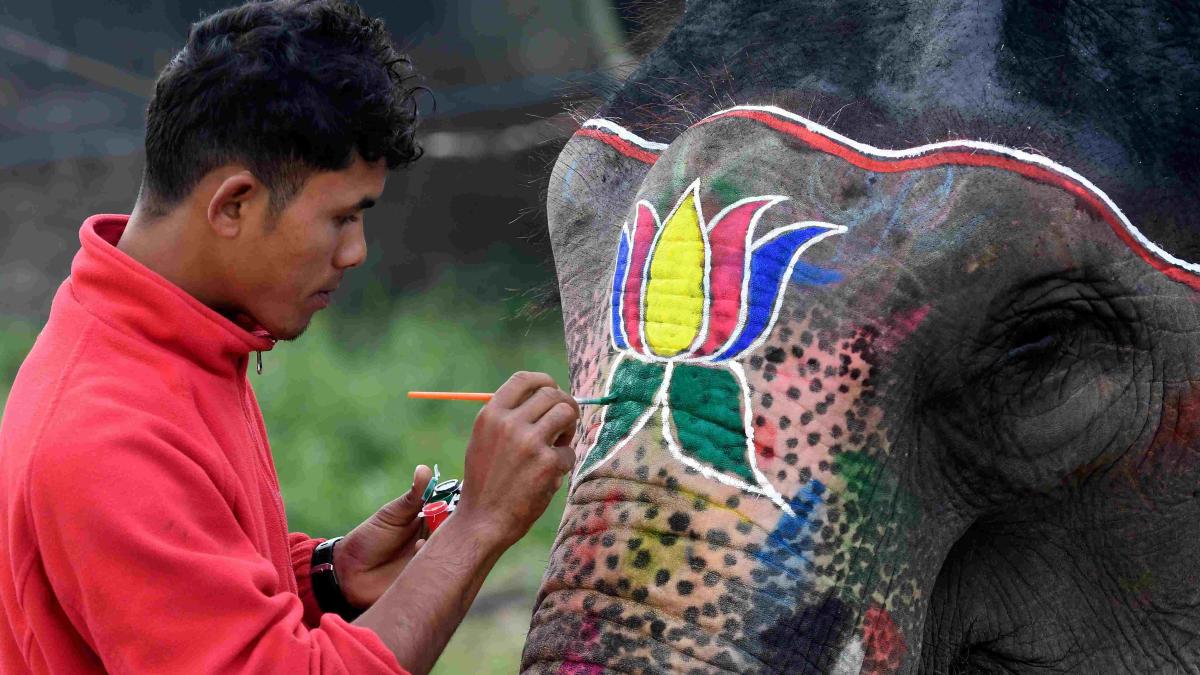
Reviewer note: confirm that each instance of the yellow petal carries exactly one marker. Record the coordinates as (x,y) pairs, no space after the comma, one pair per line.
(675,292)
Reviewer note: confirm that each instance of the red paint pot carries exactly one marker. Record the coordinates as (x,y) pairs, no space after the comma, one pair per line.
(435,513)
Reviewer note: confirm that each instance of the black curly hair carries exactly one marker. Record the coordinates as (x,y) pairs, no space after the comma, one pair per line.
(285,87)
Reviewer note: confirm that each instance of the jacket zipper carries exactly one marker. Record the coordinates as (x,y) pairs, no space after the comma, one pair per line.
(265,474)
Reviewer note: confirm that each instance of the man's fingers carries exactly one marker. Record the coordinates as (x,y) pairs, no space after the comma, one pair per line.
(541,401)
(518,388)
(557,423)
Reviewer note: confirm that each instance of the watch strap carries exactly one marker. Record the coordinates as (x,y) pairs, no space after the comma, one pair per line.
(325,585)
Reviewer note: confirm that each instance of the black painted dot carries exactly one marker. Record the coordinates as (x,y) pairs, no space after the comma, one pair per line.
(732,502)
(661,577)
(656,628)
(730,560)
(717,537)
(697,563)
(709,610)
(685,587)
(743,526)
(813,365)
(793,393)
(640,594)
(634,543)
(760,421)
(611,562)
(775,355)
(813,438)
(756,362)
(815,385)
(667,539)
(691,615)
(791,458)
(767,400)
(711,578)
(806,417)
(792,443)
(781,475)
(609,539)
(652,512)
(679,521)
(797,351)
(642,559)
(784,422)
(855,373)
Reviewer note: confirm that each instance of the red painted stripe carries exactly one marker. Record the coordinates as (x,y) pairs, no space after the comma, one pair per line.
(620,145)
(965,157)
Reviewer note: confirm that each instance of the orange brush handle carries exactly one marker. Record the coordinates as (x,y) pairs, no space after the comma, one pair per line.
(451,395)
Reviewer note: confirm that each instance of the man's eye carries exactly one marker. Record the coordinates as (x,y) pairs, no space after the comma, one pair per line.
(346,220)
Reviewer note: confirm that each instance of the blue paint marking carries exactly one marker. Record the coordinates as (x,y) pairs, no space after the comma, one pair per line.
(811,275)
(768,264)
(618,288)
(789,543)
(567,181)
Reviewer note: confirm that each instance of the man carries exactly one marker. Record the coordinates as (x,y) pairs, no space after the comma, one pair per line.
(143,529)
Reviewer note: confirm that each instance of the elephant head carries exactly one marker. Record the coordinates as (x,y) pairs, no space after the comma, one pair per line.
(894,377)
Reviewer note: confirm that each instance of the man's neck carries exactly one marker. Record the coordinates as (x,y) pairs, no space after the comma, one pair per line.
(167,246)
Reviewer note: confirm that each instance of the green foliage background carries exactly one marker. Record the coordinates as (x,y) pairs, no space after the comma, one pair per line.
(346,439)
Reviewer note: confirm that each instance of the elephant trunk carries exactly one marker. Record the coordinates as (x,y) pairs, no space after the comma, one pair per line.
(654,570)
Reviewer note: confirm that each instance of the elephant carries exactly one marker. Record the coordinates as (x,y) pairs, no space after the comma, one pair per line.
(892,309)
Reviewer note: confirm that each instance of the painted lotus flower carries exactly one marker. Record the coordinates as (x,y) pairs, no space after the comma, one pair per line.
(690,298)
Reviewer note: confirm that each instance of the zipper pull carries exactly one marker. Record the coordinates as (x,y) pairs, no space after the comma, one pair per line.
(258,367)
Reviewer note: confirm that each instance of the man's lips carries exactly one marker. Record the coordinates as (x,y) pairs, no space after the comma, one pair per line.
(324,296)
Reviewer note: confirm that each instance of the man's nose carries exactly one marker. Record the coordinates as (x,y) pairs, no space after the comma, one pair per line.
(352,249)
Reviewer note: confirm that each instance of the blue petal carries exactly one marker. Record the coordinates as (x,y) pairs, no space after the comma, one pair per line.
(768,265)
(618,289)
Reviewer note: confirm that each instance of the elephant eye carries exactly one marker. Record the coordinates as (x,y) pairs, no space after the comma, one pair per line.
(1036,341)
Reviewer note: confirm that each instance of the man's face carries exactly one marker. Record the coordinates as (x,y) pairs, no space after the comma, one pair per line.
(290,267)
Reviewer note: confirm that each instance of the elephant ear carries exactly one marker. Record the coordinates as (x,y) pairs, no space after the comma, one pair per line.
(632,395)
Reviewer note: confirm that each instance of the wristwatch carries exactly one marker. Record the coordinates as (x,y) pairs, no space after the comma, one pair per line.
(325,586)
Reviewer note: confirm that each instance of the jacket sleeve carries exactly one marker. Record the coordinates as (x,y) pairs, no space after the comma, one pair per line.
(152,568)
(301,547)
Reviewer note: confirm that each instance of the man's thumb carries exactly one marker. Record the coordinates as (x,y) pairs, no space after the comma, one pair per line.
(402,510)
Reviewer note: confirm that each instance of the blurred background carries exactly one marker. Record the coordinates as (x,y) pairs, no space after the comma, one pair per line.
(457,290)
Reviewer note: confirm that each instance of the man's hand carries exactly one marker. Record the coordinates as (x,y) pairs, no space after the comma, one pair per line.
(370,558)
(518,453)
(516,458)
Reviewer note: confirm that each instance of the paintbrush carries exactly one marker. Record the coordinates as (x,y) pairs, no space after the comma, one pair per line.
(484,397)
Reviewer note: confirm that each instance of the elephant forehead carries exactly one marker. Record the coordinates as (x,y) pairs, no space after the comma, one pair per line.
(955,192)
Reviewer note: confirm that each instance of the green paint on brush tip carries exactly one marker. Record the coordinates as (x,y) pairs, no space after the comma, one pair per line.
(603,400)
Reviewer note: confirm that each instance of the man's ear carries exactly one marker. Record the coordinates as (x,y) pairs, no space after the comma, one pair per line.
(235,204)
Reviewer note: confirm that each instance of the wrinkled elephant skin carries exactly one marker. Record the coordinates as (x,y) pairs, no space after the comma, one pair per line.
(900,347)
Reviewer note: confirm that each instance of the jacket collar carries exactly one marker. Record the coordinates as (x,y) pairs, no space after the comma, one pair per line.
(130,297)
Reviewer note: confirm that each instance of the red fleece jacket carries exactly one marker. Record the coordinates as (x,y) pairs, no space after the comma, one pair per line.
(142,525)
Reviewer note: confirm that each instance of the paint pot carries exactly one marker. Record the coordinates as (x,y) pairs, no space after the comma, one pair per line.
(446,490)
(435,513)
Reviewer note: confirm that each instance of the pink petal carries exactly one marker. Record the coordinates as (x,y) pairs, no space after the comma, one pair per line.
(645,224)
(727,240)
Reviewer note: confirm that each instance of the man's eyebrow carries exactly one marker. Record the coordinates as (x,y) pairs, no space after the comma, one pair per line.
(364,203)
